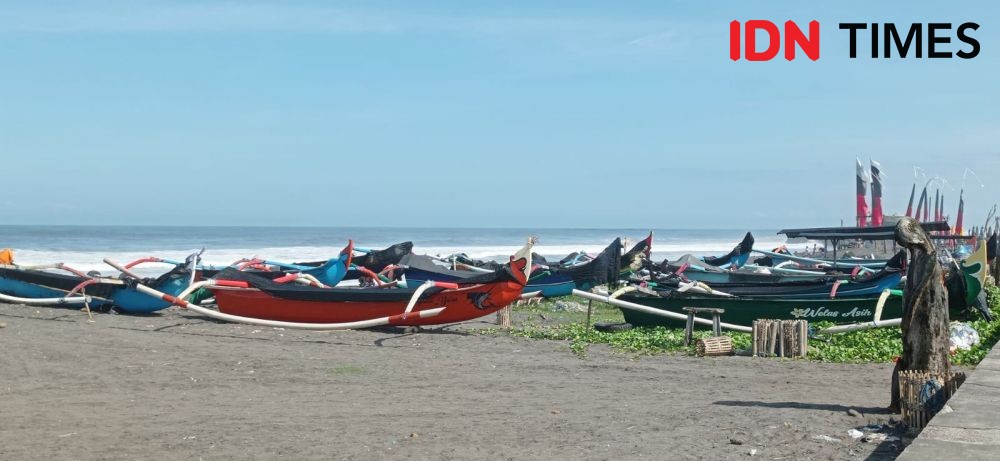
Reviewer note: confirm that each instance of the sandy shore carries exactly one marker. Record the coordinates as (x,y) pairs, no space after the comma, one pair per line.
(176,386)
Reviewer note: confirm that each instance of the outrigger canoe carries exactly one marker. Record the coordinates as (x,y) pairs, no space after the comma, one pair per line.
(964,283)
(548,281)
(250,298)
(890,277)
(39,285)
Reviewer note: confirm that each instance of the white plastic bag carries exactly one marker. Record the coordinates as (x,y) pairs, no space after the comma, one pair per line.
(963,337)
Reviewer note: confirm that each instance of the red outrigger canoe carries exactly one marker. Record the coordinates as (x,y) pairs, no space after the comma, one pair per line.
(246,294)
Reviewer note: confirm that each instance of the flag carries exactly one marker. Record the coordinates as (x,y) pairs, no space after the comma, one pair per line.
(920,205)
(862,188)
(927,208)
(961,213)
(937,205)
(909,205)
(876,194)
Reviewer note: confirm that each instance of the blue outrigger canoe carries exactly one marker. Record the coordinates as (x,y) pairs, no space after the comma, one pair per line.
(102,292)
(329,272)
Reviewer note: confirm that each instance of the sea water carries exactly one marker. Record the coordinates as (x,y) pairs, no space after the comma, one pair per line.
(84,247)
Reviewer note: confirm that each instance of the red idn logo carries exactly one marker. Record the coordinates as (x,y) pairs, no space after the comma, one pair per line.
(793,37)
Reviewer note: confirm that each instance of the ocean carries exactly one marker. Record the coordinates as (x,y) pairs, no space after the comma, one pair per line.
(84,247)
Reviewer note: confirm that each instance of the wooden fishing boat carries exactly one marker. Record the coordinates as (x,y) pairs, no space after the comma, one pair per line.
(548,280)
(329,272)
(41,283)
(964,282)
(744,310)
(889,277)
(248,295)
(739,255)
(371,261)
(733,268)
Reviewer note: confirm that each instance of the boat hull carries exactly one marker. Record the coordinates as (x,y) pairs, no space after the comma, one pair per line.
(35,284)
(743,311)
(461,304)
(33,291)
(133,302)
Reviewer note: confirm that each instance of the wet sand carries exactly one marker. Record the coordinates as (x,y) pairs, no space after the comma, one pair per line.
(178,386)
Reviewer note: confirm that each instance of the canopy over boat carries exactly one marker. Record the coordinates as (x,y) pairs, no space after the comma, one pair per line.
(868,233)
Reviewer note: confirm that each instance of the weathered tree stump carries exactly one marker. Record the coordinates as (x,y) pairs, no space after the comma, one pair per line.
(925,308)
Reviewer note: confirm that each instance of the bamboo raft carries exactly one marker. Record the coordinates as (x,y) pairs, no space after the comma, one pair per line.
(780,338)
(922,394)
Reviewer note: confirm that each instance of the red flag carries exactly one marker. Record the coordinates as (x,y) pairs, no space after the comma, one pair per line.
(919,215)
(927,208)
(961,213)
(876,194)
(862,188)
(909,205)
(937,205)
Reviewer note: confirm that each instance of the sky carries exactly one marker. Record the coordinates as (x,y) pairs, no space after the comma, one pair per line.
(477,114)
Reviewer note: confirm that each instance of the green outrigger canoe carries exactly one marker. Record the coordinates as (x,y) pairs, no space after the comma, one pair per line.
(743,311)
(965,291)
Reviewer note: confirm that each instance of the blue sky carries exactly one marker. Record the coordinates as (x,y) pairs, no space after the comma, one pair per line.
(550,114)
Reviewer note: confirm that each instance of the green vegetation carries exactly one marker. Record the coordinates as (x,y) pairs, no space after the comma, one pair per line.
(542,321)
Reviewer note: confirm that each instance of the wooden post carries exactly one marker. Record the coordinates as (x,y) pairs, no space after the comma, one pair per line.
(590,307)
(773,334)
(804,345)
(925,309)
(781,339)
(503,318)
(689,328)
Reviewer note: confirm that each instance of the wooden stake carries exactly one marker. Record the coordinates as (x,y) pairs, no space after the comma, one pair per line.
(503,318)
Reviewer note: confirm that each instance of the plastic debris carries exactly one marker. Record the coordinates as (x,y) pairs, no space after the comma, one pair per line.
(855,434)
(826,438)
(963,336)
(875,438)
(569,306)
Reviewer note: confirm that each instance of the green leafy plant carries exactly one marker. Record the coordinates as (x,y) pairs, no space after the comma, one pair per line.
(875,345)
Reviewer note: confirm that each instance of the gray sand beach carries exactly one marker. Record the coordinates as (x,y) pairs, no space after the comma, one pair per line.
(178,386)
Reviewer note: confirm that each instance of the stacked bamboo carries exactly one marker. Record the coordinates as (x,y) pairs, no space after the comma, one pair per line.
(714,346)
(922,394)
(780,338)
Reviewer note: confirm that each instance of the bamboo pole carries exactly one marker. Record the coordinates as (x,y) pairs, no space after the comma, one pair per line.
(653,310)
